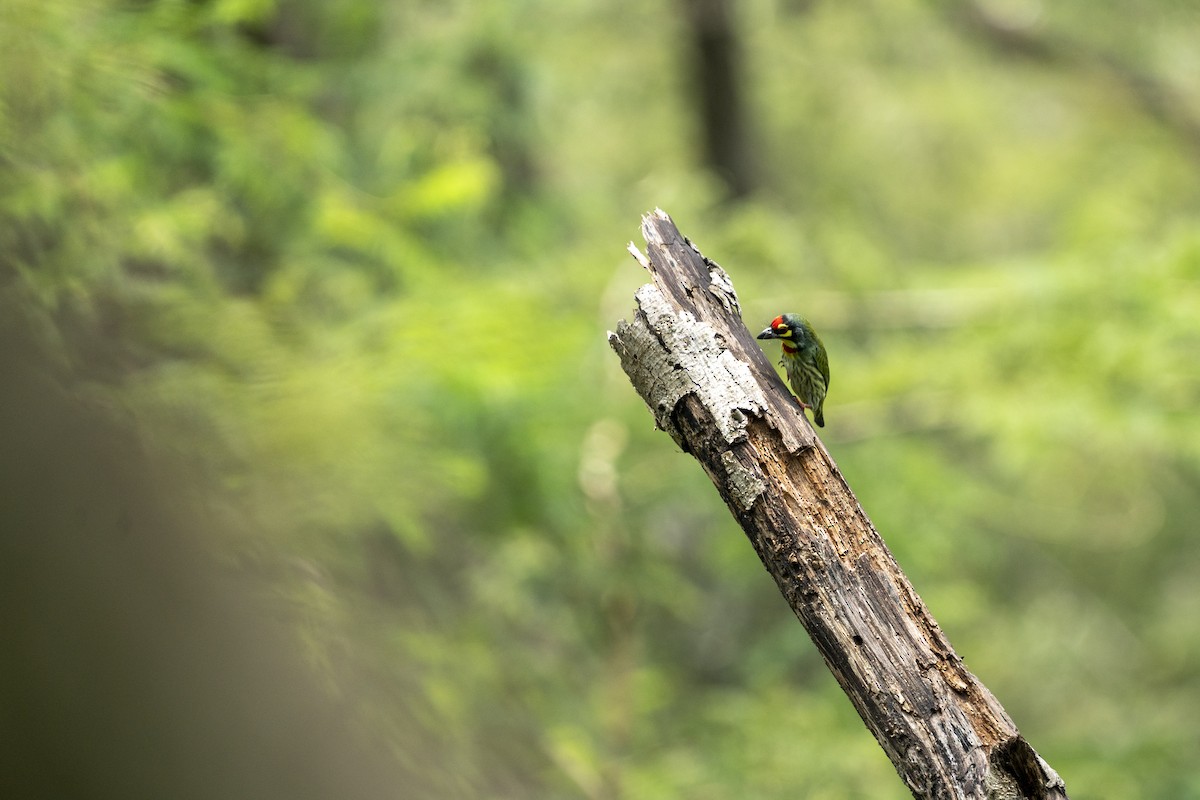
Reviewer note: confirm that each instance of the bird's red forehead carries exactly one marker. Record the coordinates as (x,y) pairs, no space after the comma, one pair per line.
(778,322)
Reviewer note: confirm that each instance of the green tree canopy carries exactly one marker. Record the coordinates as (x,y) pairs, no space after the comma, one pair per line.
(349,266)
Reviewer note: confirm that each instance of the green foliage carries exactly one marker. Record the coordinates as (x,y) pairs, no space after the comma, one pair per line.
(354,262)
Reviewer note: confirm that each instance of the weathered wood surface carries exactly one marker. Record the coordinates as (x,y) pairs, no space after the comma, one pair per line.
(709,385)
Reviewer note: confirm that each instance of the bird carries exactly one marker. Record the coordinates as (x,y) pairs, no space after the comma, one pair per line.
(804,359)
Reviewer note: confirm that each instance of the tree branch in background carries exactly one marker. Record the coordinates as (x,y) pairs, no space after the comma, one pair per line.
(708,384)
(1019,39)
(715,72)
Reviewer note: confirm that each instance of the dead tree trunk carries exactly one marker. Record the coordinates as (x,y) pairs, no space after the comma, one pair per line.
(708,384)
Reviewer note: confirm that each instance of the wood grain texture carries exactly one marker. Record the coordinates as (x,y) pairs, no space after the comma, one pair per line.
(708,384)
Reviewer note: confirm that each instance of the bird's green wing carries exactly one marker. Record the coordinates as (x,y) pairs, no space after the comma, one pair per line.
(823,363)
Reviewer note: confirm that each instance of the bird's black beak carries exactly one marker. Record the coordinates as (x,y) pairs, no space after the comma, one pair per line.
(767,334)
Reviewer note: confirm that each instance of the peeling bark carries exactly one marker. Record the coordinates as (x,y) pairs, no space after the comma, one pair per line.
(711,388)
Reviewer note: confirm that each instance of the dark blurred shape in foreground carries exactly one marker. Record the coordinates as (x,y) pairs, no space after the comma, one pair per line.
(130,665)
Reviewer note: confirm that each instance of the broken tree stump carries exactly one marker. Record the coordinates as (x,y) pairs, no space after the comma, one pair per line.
(699,370)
